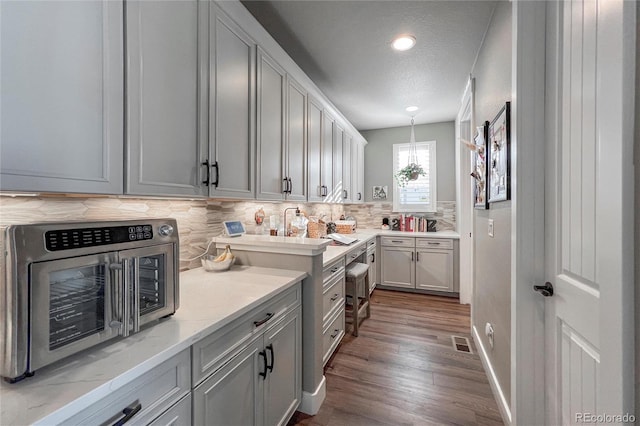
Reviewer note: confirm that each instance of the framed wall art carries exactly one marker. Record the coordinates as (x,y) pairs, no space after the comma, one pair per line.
(380,192)
(499,151)
(479,171)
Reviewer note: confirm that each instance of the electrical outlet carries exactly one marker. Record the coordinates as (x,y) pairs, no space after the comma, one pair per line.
(491,228)
(488,330)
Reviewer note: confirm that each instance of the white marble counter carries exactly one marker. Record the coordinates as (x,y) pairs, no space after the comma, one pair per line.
(333,252)
(269,244)
(208,301)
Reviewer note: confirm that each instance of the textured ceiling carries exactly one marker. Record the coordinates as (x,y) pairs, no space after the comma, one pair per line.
(344,47)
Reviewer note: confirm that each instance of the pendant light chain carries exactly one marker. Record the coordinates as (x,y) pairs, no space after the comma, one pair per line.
(413,152)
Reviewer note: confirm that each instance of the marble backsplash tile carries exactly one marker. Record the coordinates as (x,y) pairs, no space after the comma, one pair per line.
(198,220)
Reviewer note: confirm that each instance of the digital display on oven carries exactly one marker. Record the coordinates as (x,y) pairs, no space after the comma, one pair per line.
(66,239)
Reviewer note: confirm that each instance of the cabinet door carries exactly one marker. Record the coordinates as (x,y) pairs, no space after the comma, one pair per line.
(271,142)
(164,142)
(61,109)
(296,141)
(314,150)
(283,387)
(338,185)
(357,175)
(434,270)
(347,160)
(178,415)
(398,267)
(373,273)
(328,122)
(232,109)
(234,394)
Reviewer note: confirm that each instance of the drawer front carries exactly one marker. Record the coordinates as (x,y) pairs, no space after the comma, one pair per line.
(332,270)
(398,241)
(178,415)
(332,336)
(332,295)
(210,353)
(355,253)
(437,243)
(154,391)
(371,243)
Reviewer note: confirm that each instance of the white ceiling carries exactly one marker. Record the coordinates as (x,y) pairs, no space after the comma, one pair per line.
(344,47)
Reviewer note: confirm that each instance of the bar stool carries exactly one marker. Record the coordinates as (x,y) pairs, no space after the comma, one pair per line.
(357,289)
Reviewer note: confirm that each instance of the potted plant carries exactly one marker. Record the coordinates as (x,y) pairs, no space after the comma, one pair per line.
(408,173)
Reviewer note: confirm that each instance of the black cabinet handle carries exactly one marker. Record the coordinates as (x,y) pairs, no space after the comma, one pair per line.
(208,178)
(215,164)
(412,256)
(335,297)
(359,196)
(373,258)
(344,193)
(128,413)
(323,190)
(273,356)
(335,333)
(334,270)
(290,186)
(262,321)
(546,290)
(417,256)
(263,374)
(286,185)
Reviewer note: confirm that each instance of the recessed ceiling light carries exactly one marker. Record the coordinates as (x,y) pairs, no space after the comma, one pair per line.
(403,42)
(412,109)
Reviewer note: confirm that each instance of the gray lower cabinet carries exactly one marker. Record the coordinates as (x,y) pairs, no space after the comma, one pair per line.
(418,263)
(178,415)
(232,92)
(166,106)
(333,322)
(61,107)
(250,372)
(160,391)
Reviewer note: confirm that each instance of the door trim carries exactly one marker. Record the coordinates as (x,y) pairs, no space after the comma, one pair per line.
(527,212)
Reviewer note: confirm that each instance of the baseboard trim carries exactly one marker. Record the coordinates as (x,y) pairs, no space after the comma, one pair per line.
(503,405)
(311,402)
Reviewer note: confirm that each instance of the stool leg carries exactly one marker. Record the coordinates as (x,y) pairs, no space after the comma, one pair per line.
(366,295)
(356,308)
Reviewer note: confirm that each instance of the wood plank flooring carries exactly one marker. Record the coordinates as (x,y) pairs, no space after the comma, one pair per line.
(402,369)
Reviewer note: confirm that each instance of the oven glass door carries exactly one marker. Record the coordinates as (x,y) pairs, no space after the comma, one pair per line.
(152,283)
(70,306)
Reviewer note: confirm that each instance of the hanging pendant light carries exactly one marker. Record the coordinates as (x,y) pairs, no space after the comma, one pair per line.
(413,154)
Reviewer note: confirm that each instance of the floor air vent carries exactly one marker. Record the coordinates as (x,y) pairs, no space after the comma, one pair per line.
(461,344)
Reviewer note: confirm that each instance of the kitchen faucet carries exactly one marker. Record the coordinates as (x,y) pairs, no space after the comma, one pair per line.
(297,209)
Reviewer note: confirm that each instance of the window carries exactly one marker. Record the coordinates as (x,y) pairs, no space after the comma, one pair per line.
(418,195)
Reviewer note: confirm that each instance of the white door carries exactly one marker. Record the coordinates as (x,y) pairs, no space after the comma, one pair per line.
(589,209)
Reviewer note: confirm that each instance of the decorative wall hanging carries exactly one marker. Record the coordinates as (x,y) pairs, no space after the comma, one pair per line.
(499,156)
(380,192)
(479,172)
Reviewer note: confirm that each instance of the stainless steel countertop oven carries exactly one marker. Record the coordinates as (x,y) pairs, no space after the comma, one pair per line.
(69,286)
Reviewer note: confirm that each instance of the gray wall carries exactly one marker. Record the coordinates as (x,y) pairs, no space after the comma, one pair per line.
(378,168)
(492,295)
(637,211)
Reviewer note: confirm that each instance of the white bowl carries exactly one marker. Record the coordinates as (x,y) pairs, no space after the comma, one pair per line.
(209,265)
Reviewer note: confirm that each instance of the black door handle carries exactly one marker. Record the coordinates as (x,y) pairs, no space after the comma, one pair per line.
(215,164)
(128,413)
(546,290)
(290,186)
(270,349)
(208,179)
(263,374)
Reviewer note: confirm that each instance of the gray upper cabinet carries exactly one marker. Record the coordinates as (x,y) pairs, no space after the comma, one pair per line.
(338,184)
(296,149)
(357,171)
(232,109)
(61,109)
(347,159)
(328,123)
(271,87)
(165,103)
(314,150)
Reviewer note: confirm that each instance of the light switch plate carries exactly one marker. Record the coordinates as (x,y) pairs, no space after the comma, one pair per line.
(491,228)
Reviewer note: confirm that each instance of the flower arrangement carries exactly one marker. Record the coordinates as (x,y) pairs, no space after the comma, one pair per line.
(408,173)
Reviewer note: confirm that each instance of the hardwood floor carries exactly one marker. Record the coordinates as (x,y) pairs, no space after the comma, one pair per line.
(402,369)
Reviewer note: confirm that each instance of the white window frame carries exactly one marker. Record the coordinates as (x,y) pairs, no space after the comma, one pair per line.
(432,174)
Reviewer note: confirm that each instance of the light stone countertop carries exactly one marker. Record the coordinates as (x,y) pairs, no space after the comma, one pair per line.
(334,252)
(208,301)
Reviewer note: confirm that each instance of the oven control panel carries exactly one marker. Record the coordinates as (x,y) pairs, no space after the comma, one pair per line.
(65,239)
